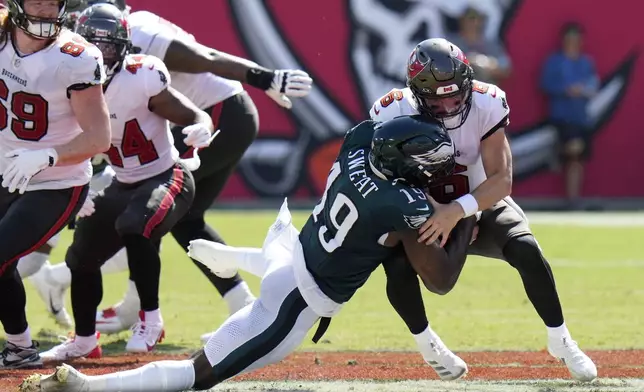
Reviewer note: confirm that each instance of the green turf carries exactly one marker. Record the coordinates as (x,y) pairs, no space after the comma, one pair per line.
(598,272)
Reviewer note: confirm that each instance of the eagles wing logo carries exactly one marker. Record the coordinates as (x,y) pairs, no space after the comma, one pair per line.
(443,152)
(416,221)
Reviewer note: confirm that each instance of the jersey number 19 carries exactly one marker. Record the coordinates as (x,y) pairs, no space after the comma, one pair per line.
(340,202)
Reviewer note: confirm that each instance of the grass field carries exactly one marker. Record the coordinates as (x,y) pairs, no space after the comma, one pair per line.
(598,267)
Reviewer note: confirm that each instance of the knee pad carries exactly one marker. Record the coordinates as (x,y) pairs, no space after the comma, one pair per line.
(524,253)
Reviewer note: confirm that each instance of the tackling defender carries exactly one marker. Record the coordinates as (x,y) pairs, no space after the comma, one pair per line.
(370,211)
(441,86)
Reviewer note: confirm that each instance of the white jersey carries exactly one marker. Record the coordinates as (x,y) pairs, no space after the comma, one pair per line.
(154,34)
(142,145)
(35,111)
(489,113)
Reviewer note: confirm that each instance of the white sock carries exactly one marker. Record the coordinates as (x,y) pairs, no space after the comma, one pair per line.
(160,376)
(559,332)
(153,316)
(31,263)
(86,342)
(61,274)
(21,340)
(238,297)
(424,337)
(117,263)
(251,260)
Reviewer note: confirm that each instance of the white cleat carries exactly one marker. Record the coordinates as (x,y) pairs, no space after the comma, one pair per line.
(219,258)
(145,336)
(445,363)
(64,379)
(53,295)
(581,367)
(116,319)
(71,349)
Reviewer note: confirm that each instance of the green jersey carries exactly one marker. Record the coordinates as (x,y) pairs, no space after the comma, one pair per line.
(344,236)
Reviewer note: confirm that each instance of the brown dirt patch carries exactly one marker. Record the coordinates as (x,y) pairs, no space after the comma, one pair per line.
(503,365)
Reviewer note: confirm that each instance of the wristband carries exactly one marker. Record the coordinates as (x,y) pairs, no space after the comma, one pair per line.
(260,77)
(469,204)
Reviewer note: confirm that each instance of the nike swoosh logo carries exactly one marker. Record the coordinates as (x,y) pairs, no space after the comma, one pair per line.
(7,363)
(426,208)
(52,307)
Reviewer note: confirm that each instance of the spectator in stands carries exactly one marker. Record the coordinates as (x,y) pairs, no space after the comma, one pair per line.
(569,80)
(488,58)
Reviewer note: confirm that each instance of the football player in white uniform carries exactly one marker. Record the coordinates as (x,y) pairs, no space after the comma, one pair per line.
(151,191)
(440,84)
(211,79)
(53,119)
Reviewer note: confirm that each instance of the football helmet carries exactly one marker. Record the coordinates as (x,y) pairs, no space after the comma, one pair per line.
(415,148)
(105,26)
(37,27)
(440,77)
(76,7)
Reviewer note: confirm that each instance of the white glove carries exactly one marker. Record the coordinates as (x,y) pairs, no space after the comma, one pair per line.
(24,165)
(88,207)
(198,135)
(289,83)
(194,163)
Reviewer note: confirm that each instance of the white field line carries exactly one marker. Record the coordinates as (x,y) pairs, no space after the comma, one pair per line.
(601,385)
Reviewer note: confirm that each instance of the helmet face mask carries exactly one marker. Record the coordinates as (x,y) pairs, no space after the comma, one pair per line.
(440,78)
(35,26)
(105,26)
(415,149)
(111,53)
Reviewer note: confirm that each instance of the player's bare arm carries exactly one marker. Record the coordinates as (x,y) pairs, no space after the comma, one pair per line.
(175,107)
(439,268)
(93,117)
(192,57)
(497,162)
